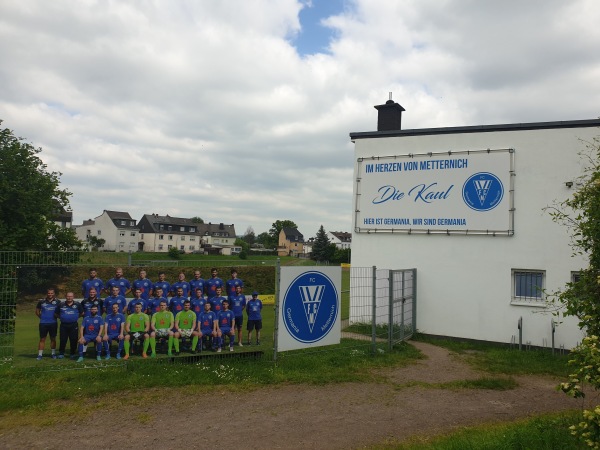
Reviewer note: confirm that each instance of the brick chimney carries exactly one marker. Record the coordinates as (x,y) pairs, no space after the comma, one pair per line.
(390,115)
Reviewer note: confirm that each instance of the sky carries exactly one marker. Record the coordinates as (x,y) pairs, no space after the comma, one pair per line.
(240,111)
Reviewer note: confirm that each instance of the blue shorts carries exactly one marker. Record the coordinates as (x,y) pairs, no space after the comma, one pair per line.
(89,338)
(113,337)
(206,332)
(225,330)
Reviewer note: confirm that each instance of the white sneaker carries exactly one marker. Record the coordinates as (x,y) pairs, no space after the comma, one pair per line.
(240,344)
(231,348)
(219,350)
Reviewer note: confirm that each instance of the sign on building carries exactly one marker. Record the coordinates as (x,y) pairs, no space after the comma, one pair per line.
(309,310)
(466,192)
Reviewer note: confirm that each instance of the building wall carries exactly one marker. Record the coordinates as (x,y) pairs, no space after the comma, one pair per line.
(465,281)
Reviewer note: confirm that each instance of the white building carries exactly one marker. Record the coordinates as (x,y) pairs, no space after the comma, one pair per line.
(341,239)
(117,228)
(465,207)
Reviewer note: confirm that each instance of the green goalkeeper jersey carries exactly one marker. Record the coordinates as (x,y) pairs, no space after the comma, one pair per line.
(162,320)
(137,322)
(185,319)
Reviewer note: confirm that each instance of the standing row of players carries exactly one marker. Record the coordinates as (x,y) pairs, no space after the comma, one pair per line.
(116,327)
(148,288)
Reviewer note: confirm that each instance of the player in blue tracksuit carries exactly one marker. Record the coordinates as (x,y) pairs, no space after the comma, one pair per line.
(253,309)
(91,300)
(144,284)
(69,313)
(163,284)
(213,283)
(91,331)
(181,283)
(92,282)
(122,283)
(237,303)
(226,326)
(46,311)
(207,325)
(232,284)
(115,298)
(114,324)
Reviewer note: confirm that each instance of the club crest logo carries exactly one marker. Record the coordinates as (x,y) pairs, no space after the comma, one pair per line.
(310,307)
(483,191)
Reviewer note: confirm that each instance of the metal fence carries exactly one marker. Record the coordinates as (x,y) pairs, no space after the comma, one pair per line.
(378,309)
(382,305)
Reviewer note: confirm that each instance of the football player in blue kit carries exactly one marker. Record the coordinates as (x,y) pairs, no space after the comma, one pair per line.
(122,283)
(207,325)
(226,326)
(91,331)
(92,282)
(233,283)
(238,304)
(213,283)
(115,298)
(144,284)
(196,282)
(163,284)
(181,283)
(114,324)
(91,300)
(46,311)
(69,313)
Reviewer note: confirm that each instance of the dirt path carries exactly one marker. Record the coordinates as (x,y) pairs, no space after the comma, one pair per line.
(349,415)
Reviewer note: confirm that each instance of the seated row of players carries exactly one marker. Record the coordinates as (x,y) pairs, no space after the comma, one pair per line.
(148,288)
(142,315)
(207,329)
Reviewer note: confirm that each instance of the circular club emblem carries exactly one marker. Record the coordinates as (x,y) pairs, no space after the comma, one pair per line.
(483,191)
(310,307)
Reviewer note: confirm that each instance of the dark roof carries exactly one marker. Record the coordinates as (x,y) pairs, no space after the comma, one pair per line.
(118,215)
(478,129)
(150,223)
(291,233)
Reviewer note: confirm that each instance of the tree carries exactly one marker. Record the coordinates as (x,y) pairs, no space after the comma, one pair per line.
(30,198)
(249,236)
(265,240)
(96,242)
(322,249)
(279,225)
(581,215)
(197,219)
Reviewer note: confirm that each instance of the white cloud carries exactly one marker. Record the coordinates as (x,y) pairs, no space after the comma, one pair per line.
(204,108)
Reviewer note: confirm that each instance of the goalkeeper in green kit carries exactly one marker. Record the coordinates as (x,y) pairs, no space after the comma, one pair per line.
(136,327)
(162,327)
(185,326)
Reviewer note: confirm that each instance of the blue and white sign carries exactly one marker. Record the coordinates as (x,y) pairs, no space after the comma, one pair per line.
(451,192)
(309,309)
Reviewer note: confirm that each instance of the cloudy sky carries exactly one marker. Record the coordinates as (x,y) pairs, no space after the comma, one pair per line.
(239,111)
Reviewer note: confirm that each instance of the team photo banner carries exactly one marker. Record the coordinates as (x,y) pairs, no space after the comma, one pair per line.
(467,192)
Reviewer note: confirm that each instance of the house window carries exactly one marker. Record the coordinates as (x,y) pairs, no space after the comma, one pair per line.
(170,237)
(192,247)
(183,238)
(141,236)
(169,247)
(160,246)
(170,227)
(132,223)
(99,232)
(182,248)
(121,244)
(161,237)
(192,238)
(193,229)
(161,227)
(528,286)
(121,233)
(133,233)
(181,228)
(575,277)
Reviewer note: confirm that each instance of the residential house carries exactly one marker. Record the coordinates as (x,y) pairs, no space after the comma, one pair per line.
(291,242)
(117,228)
(341,239)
